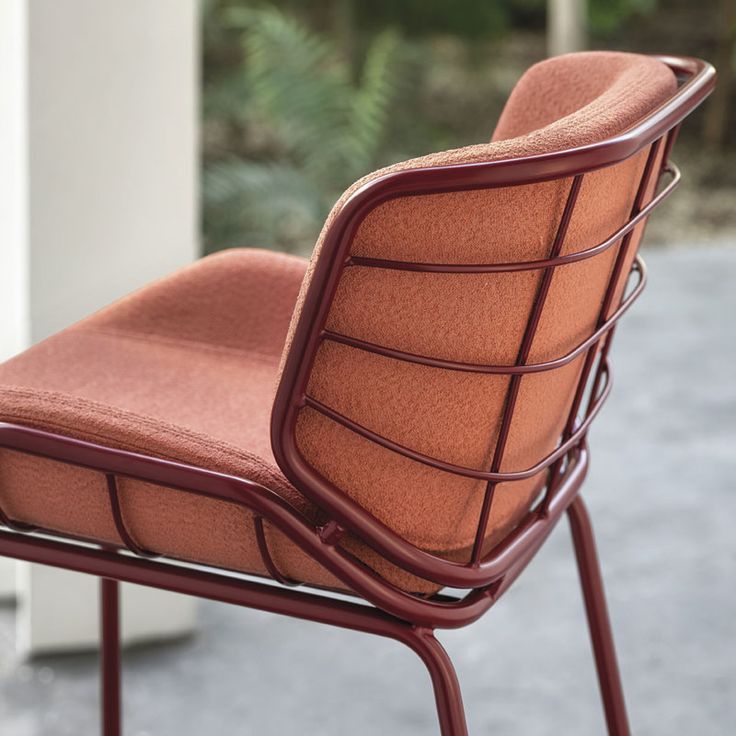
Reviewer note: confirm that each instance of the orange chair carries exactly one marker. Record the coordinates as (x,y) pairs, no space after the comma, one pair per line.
(413,419)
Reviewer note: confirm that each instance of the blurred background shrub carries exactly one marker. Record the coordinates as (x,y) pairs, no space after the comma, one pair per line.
(301,98)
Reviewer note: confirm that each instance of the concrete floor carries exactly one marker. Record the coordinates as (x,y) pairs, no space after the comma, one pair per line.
(661,491)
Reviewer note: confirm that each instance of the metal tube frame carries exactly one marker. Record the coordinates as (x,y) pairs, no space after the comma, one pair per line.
(110,657)
(381,608)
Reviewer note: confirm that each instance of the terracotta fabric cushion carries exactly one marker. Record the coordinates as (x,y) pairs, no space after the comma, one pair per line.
(453,416)
(186,369)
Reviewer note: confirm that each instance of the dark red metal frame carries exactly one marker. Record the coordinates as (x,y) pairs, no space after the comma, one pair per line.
(384,609)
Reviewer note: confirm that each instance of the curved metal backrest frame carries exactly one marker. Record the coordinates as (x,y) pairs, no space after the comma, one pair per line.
(657,131)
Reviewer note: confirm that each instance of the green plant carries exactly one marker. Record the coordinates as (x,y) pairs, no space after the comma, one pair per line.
(608,17)
(310,129)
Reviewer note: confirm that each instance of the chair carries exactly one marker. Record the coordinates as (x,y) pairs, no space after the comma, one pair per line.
(403,418)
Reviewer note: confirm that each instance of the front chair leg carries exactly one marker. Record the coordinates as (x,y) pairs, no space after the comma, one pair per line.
(110,657)
(609,677)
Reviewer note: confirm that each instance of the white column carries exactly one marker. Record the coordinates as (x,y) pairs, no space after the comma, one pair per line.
(58,612)
(14,257)
(113,157)
(566,26)
(98,190)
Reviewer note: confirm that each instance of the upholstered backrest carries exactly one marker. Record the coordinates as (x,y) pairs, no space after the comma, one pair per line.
(477,318)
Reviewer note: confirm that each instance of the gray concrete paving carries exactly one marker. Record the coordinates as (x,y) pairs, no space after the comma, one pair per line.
(661,491)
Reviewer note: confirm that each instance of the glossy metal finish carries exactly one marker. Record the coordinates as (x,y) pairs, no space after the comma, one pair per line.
(110,657)
(394,613)
(601,635)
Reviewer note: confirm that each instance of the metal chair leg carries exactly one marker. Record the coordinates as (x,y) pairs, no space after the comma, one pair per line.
(447,695)
(609,677)
(110,657)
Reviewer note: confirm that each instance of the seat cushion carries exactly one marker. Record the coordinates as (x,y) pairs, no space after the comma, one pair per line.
(184,370)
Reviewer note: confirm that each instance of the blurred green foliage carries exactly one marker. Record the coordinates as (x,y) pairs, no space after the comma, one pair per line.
(608,17)
(297,128)
(302,97)
(469,19)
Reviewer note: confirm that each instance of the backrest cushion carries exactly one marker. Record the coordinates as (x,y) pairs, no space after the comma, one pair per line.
(477,318)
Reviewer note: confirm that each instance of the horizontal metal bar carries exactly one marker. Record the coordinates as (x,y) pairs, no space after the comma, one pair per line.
(639,267)
(191,581)
(434,462)
(514,266)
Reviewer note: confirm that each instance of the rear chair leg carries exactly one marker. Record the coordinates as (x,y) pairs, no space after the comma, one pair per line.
(601,635)
(447,694)
(110,657)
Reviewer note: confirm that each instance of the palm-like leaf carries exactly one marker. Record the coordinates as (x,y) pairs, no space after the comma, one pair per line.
(265,205)
(372,103)
(329,131)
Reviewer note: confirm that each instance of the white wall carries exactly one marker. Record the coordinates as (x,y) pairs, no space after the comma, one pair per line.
(14,255)
(112,123)
(58,612)
(98,190)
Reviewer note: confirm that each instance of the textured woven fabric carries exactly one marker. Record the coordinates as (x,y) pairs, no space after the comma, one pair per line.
(186,368)
(455,417)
